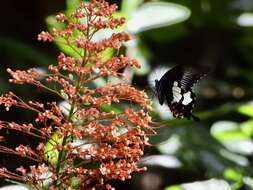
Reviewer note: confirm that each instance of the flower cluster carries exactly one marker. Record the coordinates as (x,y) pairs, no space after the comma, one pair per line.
(97,139)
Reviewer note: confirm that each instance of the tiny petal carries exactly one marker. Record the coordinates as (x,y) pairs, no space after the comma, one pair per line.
(45,36)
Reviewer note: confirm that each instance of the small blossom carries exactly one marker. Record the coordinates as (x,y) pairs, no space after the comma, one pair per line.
(24,150)
(8,100)
(21,77)
(110,141)
(61,17)
(22,170)
(45,36)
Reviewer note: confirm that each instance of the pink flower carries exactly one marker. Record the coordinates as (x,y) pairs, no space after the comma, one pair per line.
(112,141)
(45,36)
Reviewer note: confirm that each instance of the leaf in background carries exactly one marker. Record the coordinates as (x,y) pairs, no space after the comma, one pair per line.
(52,23)
(247,128)
(101,35)
(229,154)
(98,36)
(165,161)
(196,153)
(174,187)
(140,53)
(212,184)
(246,109)
(223,130)
(122,28)
(71,5)
(232,174)
(51,154)
(248,181)
(110,108)
(107,33)
(61,42)
(156,15)
(231,135)
(99,82)
(171,145)
(243,147)
(14,187)
(245,19)
(129,6)
(23,52)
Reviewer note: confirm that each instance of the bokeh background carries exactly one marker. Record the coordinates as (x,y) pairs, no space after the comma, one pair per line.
(214,154)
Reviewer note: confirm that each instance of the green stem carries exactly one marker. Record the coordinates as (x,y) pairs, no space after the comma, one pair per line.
(85,59)
(64,141)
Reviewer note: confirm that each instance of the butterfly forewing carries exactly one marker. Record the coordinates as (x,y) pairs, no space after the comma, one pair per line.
(191,75)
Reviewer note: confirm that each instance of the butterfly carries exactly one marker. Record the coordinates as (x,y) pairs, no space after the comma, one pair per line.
(175,86)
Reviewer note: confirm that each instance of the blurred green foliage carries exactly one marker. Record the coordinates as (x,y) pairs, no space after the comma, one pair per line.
(175,32)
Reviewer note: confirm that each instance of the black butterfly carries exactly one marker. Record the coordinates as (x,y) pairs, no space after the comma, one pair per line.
(175,87)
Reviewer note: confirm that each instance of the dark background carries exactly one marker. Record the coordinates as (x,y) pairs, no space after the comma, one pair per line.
(209,37)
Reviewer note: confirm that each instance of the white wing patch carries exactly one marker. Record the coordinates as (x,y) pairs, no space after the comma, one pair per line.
(178,97)
(187,98)
(176,91)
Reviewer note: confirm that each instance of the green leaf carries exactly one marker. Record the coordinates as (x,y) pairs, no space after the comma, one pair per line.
(233,138)
(71,6)
(248,181)
(141,54)
(247,128)
(156,15)
(171,145)
(232,174)
(20,186)
(70,50)
(227,130)
(196,153)
(93,165)
(235,176)
(246,110)
(110,108)
(174,187)
(245,19)
(129,6)
(107,54)
(99,82)
(211,184)
(60,42)
(52,23)
(51,154)
(75,183)
(123,27)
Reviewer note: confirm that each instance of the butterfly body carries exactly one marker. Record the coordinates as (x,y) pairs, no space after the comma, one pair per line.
(175,87)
